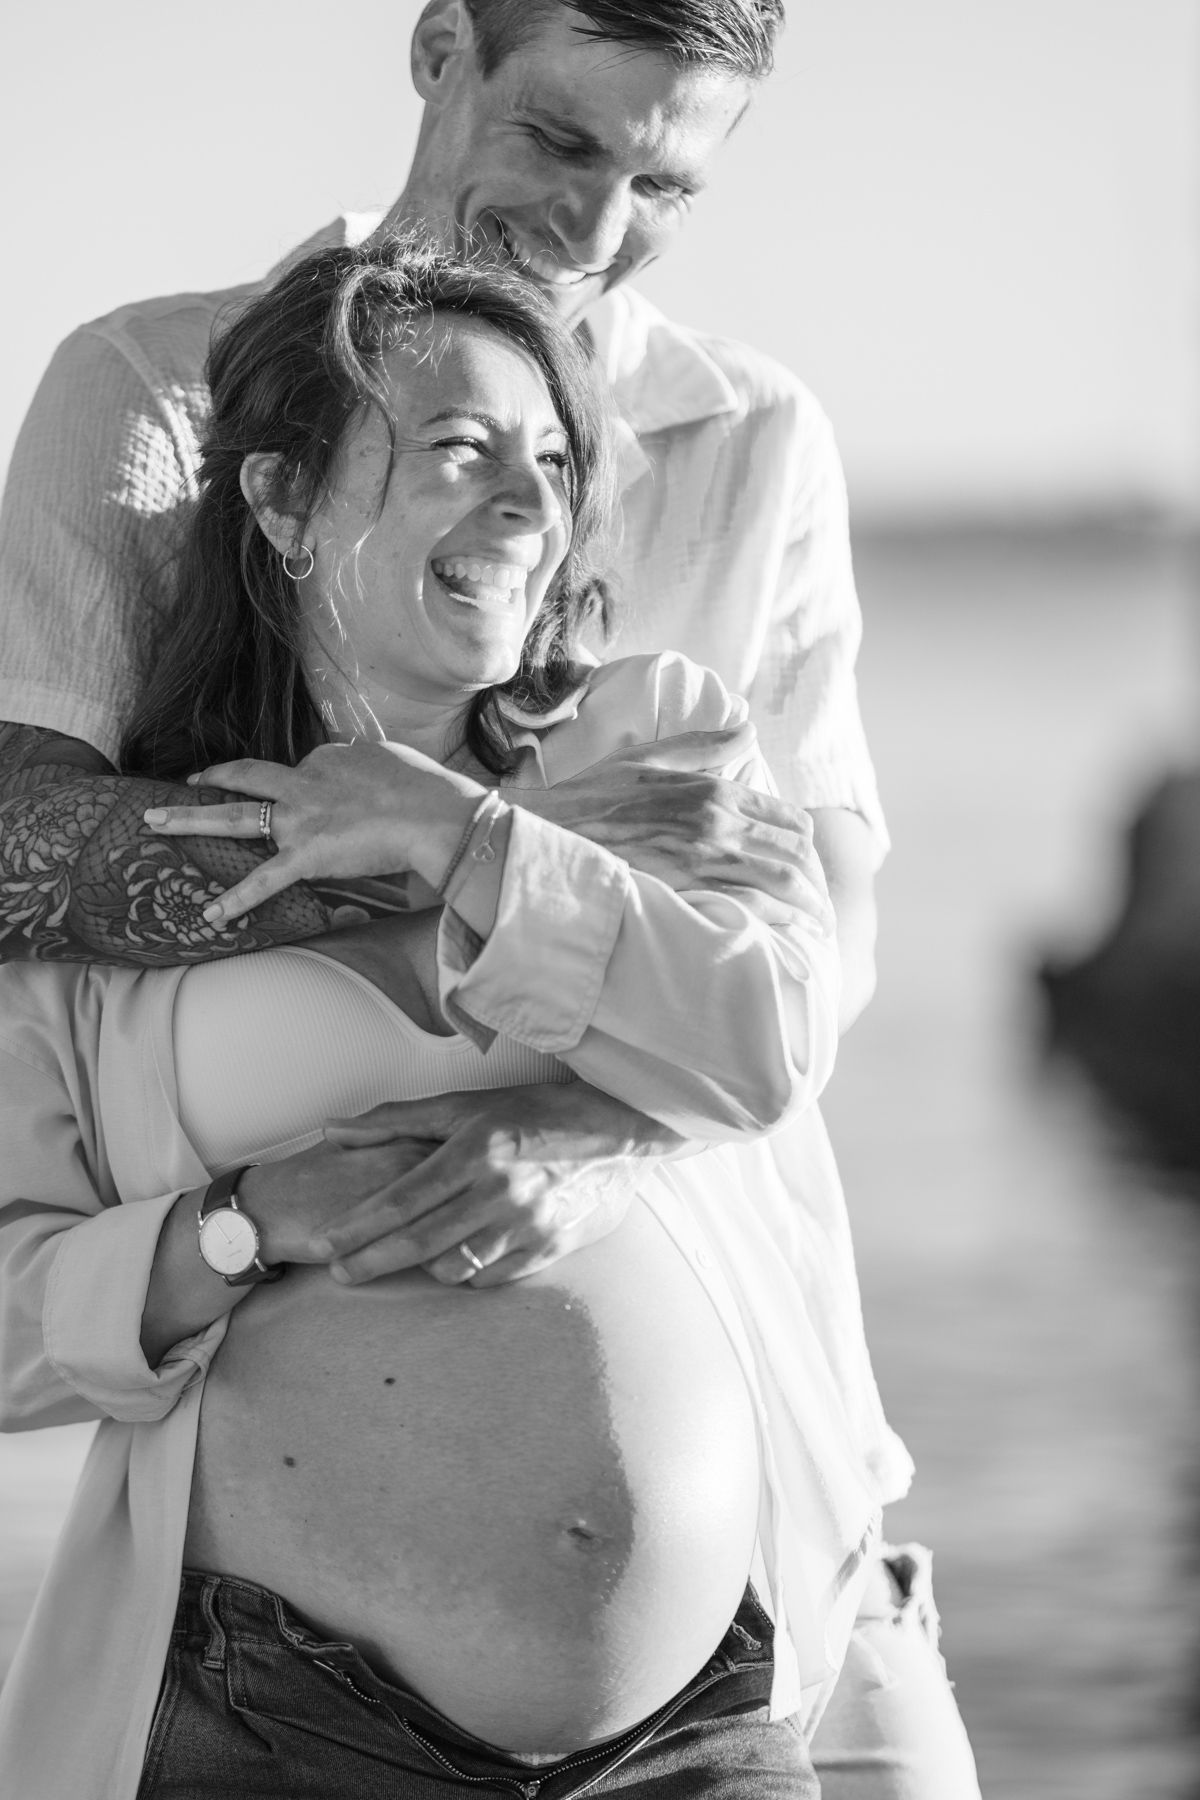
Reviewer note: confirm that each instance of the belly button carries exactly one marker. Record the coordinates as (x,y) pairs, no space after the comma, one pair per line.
(583,1537)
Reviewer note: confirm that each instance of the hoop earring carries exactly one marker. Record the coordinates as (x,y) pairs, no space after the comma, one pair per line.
(298,574)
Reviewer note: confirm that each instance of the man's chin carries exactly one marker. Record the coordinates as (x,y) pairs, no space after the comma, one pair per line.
(570,300)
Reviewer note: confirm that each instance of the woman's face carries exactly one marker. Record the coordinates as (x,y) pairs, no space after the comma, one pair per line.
(419,602)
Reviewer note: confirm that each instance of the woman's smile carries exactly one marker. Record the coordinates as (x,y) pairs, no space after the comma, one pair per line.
(436,548)
(489,586)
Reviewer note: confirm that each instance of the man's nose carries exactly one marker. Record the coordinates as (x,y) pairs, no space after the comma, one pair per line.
(591,221)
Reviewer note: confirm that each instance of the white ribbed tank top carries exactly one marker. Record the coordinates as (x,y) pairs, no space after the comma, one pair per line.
(269,1046)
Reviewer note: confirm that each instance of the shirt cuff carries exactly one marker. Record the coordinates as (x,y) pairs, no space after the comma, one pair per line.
(538,976)
(92,1316)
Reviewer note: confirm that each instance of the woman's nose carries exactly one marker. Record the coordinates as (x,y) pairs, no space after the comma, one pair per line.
(528,494)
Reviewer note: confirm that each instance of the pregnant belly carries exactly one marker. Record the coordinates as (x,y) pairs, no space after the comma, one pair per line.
(535,1505)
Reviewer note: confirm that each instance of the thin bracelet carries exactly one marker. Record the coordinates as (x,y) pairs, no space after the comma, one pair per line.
(485,851)
(490,799)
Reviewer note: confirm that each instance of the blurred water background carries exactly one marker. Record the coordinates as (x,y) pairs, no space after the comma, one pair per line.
(1030,1288)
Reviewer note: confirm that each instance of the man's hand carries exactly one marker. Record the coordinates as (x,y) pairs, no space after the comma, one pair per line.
(522,1175)
(664,810)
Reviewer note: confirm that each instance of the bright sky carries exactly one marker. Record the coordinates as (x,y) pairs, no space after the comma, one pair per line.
(972,228)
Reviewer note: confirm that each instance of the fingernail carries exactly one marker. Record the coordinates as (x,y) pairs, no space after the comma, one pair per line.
(212,913)
(341,1275)
(155,815)
(321,1247)
(193,780)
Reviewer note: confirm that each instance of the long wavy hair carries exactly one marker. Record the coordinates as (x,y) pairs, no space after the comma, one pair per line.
(289,375)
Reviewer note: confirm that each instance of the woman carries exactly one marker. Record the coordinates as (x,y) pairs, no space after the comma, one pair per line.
(485,1537)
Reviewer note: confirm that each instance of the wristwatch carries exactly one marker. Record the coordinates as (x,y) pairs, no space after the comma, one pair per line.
(228,1237)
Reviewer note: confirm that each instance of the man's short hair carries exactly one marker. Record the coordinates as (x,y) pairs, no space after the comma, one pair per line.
(735,37)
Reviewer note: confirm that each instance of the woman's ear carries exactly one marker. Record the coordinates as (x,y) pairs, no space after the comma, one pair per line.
(258,479)
(443,34)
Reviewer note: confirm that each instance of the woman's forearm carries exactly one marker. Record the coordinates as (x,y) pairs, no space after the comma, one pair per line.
(184,1295)
(687,1006)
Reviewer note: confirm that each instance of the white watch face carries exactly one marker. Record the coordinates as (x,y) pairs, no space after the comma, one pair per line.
(228,1241)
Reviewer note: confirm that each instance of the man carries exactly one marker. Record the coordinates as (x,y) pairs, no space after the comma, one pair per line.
(569,139)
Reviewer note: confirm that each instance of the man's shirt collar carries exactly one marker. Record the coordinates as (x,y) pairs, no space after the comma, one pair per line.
(660,374)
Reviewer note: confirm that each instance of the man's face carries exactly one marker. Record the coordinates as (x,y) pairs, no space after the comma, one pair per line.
(578,159)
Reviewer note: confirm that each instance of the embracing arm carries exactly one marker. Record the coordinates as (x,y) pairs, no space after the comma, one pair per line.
(689,1005)
(83,878)
(106,1309)
(849,854)
(685,1005)
(99,476)
(74,1264)
(666,809)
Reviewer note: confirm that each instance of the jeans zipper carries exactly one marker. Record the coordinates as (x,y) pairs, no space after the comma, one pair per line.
(625,1747)
(529,1790)
(348,1679)
(609,1754)
(526,1788)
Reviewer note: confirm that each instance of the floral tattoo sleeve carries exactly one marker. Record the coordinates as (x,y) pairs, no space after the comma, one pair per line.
(83,880)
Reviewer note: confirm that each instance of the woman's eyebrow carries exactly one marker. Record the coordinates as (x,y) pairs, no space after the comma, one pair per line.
(488,420)
(465,412)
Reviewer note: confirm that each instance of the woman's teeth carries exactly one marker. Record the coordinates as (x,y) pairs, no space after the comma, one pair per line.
(483,583)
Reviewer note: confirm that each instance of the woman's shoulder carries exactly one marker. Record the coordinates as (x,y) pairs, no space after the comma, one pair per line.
(637,700)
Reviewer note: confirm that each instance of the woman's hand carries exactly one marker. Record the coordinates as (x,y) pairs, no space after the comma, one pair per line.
(346,809)
(290,1202)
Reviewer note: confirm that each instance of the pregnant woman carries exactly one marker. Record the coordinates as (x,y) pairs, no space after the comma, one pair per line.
(432,1538)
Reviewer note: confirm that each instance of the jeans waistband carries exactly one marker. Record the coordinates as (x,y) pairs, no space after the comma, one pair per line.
(218,1612)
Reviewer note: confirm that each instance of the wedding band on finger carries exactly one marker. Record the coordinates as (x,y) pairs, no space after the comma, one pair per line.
(264,818)
(466,1250)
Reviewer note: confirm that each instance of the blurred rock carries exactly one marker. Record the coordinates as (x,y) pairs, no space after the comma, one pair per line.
(1130,1011)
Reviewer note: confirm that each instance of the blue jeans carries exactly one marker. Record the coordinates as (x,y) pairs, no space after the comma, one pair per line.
(253,1704)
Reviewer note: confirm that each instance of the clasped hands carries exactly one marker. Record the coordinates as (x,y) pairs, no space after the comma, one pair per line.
(525,1175)
(364,809)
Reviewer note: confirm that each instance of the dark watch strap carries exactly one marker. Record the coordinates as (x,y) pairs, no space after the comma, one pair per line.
(223,1188)
(222,1191)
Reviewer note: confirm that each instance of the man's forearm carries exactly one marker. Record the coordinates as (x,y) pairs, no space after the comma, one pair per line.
(846,848)
(83,879)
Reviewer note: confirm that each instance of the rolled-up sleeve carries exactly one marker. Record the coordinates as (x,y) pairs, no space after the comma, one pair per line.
(805,695)
(74,1274)
(686,1005)
(96,474)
